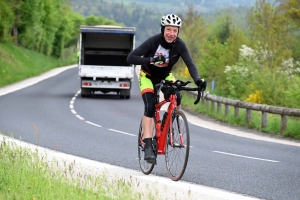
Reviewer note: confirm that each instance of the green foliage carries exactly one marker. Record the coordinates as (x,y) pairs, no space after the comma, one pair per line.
(93,21)
(193,34)
(267,70)
(30,25)
(270,34)
(292,10)
(46,26)
(213,60)
(6,20)
(291,93)
(221,28)
(74,31)
(218,51)
(239,77)
(100,20)
(270,37)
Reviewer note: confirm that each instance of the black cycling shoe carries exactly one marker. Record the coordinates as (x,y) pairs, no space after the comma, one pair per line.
(149,153)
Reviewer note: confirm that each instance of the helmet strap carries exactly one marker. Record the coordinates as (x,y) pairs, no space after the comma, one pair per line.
(162,30)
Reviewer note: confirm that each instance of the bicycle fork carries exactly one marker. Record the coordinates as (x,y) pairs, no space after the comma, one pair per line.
(171,135)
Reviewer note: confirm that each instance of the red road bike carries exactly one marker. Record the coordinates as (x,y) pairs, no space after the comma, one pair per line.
(171,135)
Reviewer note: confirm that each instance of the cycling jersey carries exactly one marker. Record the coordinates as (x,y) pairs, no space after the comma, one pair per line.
(152,74)
(140,56)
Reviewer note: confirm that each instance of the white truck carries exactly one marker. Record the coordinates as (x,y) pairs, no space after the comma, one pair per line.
(102,60)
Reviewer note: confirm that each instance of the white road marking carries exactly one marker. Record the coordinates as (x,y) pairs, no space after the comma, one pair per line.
(121,132)
(245,156)
(93,124)
(78,116)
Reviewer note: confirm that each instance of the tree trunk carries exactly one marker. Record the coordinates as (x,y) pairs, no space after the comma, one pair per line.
(15,35)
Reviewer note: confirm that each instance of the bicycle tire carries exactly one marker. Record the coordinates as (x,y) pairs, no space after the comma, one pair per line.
(145,166)
(177,156)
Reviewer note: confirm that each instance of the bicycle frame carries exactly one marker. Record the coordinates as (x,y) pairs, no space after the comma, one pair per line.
(172,136)
(161,133)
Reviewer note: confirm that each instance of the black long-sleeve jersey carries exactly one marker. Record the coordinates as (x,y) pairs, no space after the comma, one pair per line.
(141,55)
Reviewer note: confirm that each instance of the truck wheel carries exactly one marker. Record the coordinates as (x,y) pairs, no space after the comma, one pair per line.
(125,94)
(85,92)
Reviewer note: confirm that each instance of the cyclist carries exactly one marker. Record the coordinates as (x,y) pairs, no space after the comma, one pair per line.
(157,56)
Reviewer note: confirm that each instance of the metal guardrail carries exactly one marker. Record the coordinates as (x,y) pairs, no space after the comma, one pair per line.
(237,104)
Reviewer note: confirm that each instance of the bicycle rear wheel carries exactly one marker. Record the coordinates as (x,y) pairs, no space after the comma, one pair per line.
(145,166)
(177,154)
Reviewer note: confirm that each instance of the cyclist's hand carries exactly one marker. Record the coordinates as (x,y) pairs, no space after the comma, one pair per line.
(158,60)
(201,83)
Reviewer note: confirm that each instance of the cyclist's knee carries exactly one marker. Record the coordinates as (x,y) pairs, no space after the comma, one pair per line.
(149,112)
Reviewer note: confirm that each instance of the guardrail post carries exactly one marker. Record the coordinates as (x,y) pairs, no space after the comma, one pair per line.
(236,112)
(219,107)
(248,116)
(213,105)
(207,103)
(226,109)
(283,123)
(264,119)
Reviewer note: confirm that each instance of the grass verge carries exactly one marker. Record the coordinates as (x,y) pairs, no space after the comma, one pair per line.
(28,174)
(17,63)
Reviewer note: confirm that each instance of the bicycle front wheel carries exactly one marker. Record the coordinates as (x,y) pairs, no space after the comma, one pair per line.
(177,153)
(145,166)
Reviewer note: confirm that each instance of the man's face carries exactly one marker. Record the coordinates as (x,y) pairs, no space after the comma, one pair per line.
(170,33)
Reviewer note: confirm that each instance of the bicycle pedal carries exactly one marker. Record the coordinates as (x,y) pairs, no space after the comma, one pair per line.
(142,148)
(177,145)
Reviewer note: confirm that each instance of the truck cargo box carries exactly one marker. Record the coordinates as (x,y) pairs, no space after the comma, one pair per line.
(102,61)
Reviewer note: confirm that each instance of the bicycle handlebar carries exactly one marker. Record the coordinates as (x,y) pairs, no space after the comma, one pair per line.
(180,85)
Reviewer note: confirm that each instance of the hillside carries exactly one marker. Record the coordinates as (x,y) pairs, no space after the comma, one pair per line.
(146,15)
(166,6)
(18,63)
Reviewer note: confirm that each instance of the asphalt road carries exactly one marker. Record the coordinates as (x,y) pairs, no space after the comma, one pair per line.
(104,128)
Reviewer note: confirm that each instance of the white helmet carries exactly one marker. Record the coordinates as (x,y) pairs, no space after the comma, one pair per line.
(171,20)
